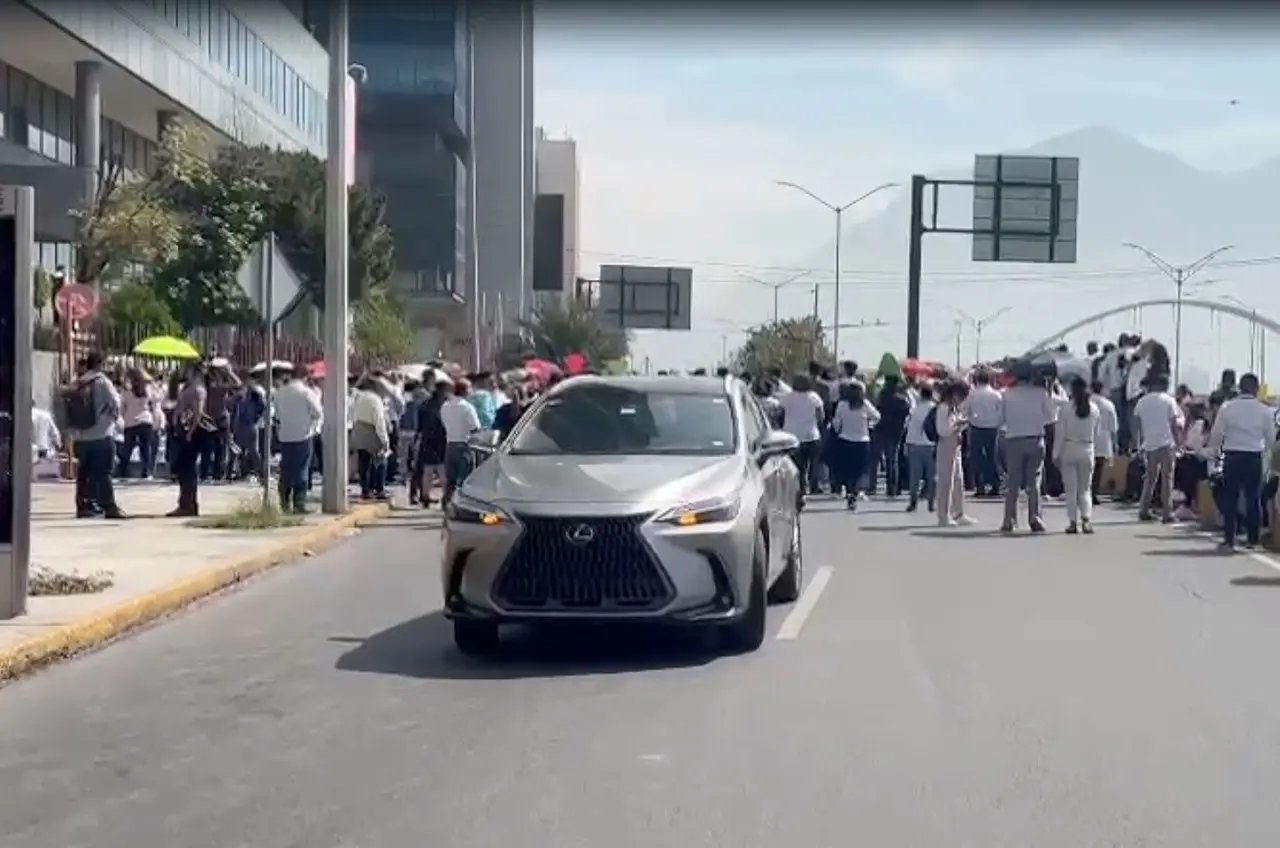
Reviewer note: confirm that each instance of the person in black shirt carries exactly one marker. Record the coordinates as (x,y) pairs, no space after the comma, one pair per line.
(1226,389)
(894,407)
(429,457)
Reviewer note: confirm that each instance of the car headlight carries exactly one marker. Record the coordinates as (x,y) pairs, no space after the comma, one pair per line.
(711,511)
(465,510)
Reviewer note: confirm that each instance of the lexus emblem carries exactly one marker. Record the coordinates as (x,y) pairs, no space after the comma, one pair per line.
(582,534)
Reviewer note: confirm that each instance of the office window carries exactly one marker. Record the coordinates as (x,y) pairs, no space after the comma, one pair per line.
(66,123)
(4,99)
(49,121)
(35,123)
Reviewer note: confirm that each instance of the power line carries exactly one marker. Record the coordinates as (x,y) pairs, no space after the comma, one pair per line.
(936,275)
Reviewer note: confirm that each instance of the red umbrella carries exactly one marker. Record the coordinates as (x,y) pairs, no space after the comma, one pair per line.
(575,363)
(317,370)
(540,369)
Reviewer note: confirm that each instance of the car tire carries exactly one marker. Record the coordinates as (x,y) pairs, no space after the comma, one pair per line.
(789,583)
(747,633)
(476,638)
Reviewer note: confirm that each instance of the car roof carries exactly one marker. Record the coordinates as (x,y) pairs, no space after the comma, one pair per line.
(674,384)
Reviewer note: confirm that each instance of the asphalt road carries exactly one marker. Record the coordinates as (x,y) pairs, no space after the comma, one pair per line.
(944,690)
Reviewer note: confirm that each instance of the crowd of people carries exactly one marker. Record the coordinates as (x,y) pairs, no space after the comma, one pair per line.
(1036,429)
(206,423)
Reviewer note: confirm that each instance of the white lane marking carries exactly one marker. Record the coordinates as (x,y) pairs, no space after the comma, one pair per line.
(794,622)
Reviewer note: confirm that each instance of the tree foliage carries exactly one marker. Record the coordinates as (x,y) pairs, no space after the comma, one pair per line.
(379,329)
(128,223)
(136,307)
(790,344)
(221,218)
(556,330)
(295,211)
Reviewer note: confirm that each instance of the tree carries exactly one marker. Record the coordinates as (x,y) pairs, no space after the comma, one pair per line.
(379,330)
(129,222)
(135,307)
(790,344)
(221,217)
(41,291)
(556,330)
(295,208)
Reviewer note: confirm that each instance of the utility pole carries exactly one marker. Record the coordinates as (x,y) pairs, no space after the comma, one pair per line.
(334,437)
(1179,274)
(813,348)
(777,287)
(979,325)
(839,214)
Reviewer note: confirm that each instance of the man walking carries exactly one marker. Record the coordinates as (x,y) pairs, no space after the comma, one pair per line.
(1244,429)
(298,419)
(1158,420)
(93,407)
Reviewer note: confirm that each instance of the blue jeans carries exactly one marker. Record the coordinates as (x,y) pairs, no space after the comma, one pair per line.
(986,467)
(922,472)
(295,462)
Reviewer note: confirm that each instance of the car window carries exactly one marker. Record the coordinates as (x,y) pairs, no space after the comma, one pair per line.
(612,419)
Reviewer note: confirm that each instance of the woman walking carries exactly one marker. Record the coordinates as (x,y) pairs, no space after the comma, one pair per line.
(951,425)
(852,423)
(1073,442)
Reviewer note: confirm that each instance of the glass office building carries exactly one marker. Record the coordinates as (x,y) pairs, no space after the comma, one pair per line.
(83,81)
(412,141)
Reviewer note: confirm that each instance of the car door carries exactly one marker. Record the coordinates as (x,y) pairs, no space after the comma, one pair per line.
(754,427)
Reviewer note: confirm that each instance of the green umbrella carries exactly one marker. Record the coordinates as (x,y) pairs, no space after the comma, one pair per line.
(166,347)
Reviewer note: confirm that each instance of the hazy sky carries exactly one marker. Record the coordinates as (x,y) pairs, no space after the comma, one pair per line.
(684,123)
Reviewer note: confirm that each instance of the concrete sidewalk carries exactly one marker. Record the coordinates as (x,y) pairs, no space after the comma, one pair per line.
(158,564)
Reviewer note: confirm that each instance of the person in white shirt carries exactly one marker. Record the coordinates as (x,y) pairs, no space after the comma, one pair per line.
(921,453)
(983,410)
(852,421)
(1104,442)
(1244,430)
(45,438)
(370,437)
(1074,437)
(951,426)
(802,414)
(298,416)
(460,421)
(1158,420)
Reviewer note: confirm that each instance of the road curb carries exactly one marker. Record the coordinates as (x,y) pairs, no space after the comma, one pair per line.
(98,628)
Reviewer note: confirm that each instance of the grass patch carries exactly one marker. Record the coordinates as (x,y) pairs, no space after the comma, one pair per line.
(251,514)
(44,582)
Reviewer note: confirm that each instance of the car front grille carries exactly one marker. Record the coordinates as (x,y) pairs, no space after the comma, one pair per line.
(612,572)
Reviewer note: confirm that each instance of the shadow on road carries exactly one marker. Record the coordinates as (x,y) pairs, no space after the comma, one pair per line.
(1255,580)
(1201,552)
(423,648)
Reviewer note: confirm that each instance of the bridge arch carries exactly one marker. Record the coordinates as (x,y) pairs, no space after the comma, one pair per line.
(1195,303)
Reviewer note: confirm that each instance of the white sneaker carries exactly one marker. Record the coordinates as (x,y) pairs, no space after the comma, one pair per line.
(965,521)
(946,522)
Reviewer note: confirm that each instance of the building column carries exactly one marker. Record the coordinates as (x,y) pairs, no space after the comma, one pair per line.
(89,127)
(164,117)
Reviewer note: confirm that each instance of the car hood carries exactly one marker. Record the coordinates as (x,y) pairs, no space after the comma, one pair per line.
(644,482)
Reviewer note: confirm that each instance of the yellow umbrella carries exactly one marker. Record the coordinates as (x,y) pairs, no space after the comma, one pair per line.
(166,347)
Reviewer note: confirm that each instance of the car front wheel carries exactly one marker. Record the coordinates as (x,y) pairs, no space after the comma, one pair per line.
(747,633)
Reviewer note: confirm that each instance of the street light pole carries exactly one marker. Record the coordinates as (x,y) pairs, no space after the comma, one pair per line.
(839,215)
(334,437)
(979,325)
(1179,274)
(777,287)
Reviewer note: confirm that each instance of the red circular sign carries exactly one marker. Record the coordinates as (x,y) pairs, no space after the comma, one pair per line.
(76,301)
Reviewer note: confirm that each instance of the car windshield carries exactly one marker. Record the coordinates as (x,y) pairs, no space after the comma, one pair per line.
(604,419)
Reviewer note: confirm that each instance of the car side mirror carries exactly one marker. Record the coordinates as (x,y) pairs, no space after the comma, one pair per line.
(484,441)
(776,443)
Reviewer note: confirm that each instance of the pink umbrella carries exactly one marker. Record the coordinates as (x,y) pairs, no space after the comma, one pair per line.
(575,363)
(540,369)
(317,370)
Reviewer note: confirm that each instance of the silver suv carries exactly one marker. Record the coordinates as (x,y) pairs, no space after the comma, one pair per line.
(628,499)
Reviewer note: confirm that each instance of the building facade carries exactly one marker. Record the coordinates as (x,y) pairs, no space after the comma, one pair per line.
(556,229)
(413,146)
(505,165)
(84,81)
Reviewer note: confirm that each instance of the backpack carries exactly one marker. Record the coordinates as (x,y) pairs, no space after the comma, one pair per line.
(81,410)
(930,425)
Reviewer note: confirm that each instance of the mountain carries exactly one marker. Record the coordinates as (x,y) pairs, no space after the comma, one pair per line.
(1129,192)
